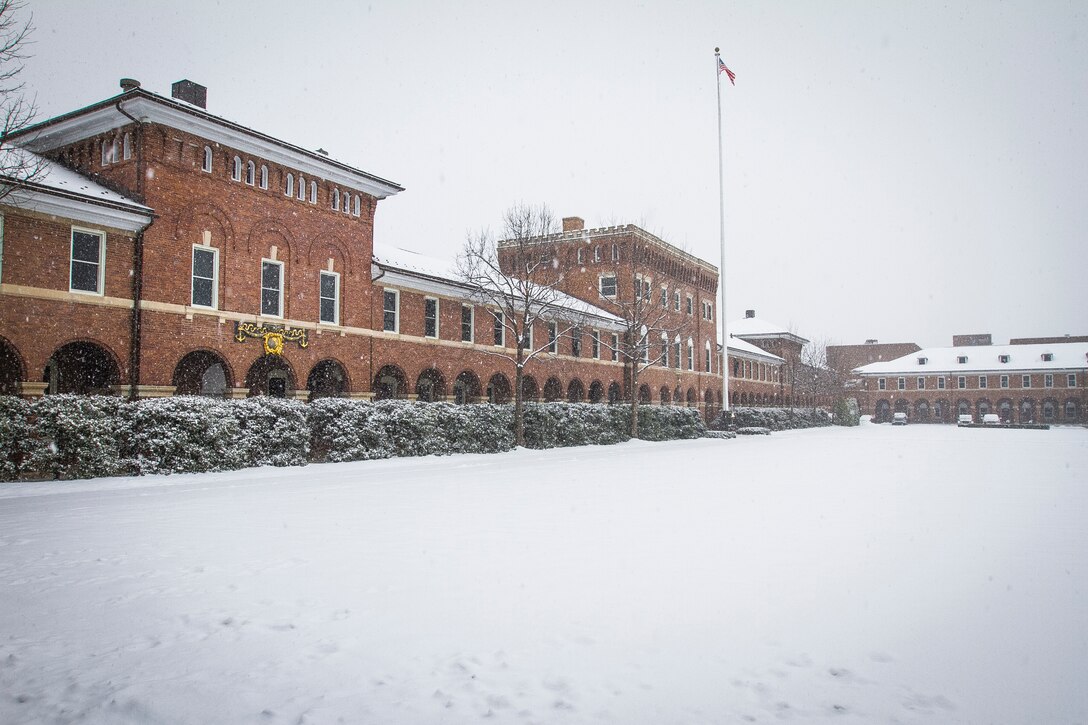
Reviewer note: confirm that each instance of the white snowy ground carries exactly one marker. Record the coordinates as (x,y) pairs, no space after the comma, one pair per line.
(873,575)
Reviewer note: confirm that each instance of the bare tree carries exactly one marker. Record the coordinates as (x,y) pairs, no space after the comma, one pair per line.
(16,110)
(650,332)
(517,280)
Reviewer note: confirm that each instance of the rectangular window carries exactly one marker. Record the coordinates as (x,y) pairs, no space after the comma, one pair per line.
(881,384)
(707,361)
(330,298)
(1004,381)
(205,276)
(664,352)
(901,383)
(595,341)
(615,347)
(88,252)
(921,383)
(391,310)
(1048,380)
(1025,381)
(552,344)
(271,288)
(596,254)
(638,286)
(580,256)
(499,328)
(430,317)
(676,300)
(615,253)
(691,357)
(608,286)
(691,306)
(941,383)
(466,323)
(576,341)
(1071,380)
(678,358)
(665,297)
(983,382)
(961,382)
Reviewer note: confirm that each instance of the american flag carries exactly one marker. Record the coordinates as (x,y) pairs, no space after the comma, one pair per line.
(723,69)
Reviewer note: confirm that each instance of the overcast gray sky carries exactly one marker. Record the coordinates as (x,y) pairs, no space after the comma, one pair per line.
(896,170)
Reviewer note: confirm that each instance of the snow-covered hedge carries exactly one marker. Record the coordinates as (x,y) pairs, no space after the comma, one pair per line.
(72,436)
(777,418)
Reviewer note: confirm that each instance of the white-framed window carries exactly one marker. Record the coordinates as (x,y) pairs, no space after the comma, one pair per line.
(579,256)
(677,355)
(691,306)
(983,382)
(205,287)
(615,253)
(430,317)
(615,347)
(1048,380)
(207,160)
(527,338)
(1025,381)
(676,300)
(961,359)
(940,383)
(236,169)
(88,261)
(336,200)
(301,188)
(109,151)
(638,286)
(708,310)
(553,342)
(595,343)
(961,382)
(251,173)
(499,328)
(1070,378)
(1048,357)
(901,383)
(664,350)
(665,297)
(271,288)
(647,290)
(576,342)
(468,315)
(289,186)
(264,177)
(1003,358)
(597,254)
(329,294)
(126,147)
(607,285)
(356,206)
(921,383)
(313,192)
(707,362)
(391,310)
(1004,381)
(691,354)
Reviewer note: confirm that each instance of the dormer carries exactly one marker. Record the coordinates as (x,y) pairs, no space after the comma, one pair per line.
(961,359)
(1003,358)
(1048,357)
(923,360)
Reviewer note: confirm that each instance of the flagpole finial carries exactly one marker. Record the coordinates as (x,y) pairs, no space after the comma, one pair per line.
(717,50)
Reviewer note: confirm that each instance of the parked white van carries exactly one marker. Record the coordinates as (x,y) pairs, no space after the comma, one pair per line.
(991,419)
(965,419)
(899,419)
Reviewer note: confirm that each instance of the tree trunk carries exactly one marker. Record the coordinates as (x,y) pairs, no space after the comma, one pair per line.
(519,403)
(634,401)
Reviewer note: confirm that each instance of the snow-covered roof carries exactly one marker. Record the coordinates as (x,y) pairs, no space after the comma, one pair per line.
(984,358)
(443,279)
(757,327)
(746,348)
(55,177)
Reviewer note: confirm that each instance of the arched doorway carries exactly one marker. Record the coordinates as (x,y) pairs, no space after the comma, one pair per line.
(82,368)
(553,390)
(666,395)
(270,375)
(1004,409)
(203,372)
(12,369)
(644,394)
(466,388)
(882,412)
(498,389)
(529,390)
(390,383)
(614,393)
(576,392)
(692,398)
(983,407)
(1027,410)
(327,379)
(430,386)
(596,391)
(921,411)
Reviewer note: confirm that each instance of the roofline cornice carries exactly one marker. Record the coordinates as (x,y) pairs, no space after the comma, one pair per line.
(79,208)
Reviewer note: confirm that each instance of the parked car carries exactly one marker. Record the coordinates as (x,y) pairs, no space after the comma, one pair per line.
(965,419)
(991,419)
(899,419)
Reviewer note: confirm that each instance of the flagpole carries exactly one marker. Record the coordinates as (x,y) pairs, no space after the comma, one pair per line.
(721,231)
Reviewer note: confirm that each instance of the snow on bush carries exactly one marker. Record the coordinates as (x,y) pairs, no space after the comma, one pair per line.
(669,422)
(273,431)
(14,436)
(780,418)
(555,425)
(185,434)
(77,436)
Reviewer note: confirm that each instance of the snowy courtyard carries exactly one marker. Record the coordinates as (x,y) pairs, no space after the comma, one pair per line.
(923,574)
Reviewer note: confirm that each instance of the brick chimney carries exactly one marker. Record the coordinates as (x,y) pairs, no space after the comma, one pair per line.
(749,314)
(194,93)
(573,223)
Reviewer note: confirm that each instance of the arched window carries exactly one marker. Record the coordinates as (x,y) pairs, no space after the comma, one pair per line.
(251,172)
(126,147)
(336,199)
(236,169)
(691,354)
(264,176)
(313,192)
(301,188)
(289,189)
(207,159)
(615,253)
(355,211)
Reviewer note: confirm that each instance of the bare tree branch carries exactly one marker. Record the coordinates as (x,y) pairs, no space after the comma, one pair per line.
(16,110)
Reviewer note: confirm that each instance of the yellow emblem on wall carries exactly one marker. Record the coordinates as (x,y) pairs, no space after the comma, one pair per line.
(273,343)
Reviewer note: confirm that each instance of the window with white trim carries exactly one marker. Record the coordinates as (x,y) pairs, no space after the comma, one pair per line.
(301,188)
(88,261)
(615,253)
(678,356)
(1004,381)
(576,342)
(691,354)
(638,286)
(983,381)
(597,254)
(664,350)
(691,306)
(553,345)
(579,257)
(289,186)
(901,383)
(430,317)
(961,382)
(676,300)
(313,192)
(336,200)
(881,384)
(708,359)
(527,338)
(251,173)
(1048,380)
(264,177)
(1070,379)
(941,383)
(615,347)
(595,343)
(205,287)
(126,147)
(500,328)
(329,292)
(271,288)
(607,285)
(391,310)
(355,207)
(921,383)
(207,160)
(1025,381)
(665,297)
(236,169)
(467,315)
